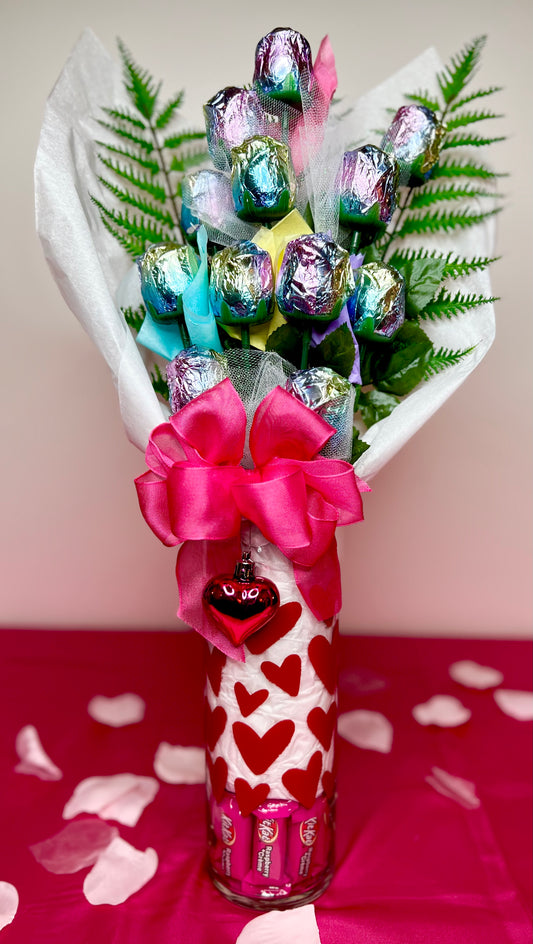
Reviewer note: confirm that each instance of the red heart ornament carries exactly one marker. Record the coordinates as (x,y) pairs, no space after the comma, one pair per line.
(218,775)
(302,784)
(322,656)
(258,752)
(241,604)
(249,798)
(285,676)
(248,702)
(322,724)
(215,664)
(280,624)
(215,722)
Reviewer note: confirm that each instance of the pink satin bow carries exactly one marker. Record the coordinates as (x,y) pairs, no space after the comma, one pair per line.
(196,492)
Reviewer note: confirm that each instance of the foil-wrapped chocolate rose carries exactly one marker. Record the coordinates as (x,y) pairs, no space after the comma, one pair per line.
(315,279)
(377,309)
(262,179)
(241,285)
(367,184)
(414,139)
(232,116)
(332,397)
(283,65)
(166,270)
(191,373)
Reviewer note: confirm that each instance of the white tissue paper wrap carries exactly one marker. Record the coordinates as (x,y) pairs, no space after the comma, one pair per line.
(89,265)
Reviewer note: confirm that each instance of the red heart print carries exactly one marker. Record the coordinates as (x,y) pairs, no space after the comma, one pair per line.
(215,722)
(249,798)
(249,701)
(280,624)
(285,676)
(322,656)
(328,782)
(302,784)
(258,752)
(218,775)
(322,724)
(215,664)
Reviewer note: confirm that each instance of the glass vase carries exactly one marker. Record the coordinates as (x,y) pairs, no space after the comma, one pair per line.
(270,733)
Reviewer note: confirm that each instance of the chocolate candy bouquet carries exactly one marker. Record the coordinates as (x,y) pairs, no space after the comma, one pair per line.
(275,297)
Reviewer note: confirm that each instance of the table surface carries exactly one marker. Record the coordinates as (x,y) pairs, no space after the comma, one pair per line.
(412,865)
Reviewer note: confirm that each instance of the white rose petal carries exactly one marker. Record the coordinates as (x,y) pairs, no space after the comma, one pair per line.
(367,729)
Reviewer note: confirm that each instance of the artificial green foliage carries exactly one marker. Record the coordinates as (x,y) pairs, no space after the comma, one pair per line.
(469,118)
(400,365)
(422,98)
(439,221)
(287,342)
(159,383)
(463,168)
(374,405)
(460,69)
(443,358)
(449,306)
(134,317)
(469,140)
(428,196)
(337,351)
(358,446)
(474,96)
(145,162)
(422,279)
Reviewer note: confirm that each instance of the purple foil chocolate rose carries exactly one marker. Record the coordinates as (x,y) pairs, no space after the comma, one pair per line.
(377,309)
(414,139)
(283,65)
(232,116)
(262,179)
(315,279)
(241,285)
(367,185)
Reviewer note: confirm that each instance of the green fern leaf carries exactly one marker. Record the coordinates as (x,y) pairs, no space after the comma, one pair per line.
(123,133)
(159,382)
(155,190)
(145,206)
(469,140)
(147,163)
(400,256)
(460,69)
(456,268)
(469,118)
(187,161)
(133,246)
(453,168)
(428,196)
(169,111)
(176,140)
(443,358)
(424,98)
(134,317)
(445,305)
(481,93)
(137,227)
(125,116)
(438,221)
(140,85)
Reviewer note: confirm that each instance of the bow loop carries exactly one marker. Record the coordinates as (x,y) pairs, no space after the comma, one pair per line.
(285,428)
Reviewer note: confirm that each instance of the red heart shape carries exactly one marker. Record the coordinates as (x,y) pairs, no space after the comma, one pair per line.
(258,752)
(240,607)
(215,722)
(218,775)
(249,798)
(328,782)
(249,702)
(215,664)
(280,624)
(322,724)
(285,676)
(322,656)
(302,784)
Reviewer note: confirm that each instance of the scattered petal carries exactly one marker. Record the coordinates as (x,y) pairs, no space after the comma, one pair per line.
(117,711)
(176,764)
(277,927)
(367,729)
(121,797)
(442,710)
(33,759)
(9,902)
(120,871)
(77,845)
(462,791)
(517,704)
(472,675)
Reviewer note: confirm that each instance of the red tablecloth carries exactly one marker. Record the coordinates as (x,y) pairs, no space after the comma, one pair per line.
(412,865)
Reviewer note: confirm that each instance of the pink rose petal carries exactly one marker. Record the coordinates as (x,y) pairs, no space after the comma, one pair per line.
(367,729)
(120,871)
(175,764)
(117,711)
(442,710)
(77,845)
(517,704)
(33,759)
(455,788)
(121,797)
(472,675)
(297,926)
(9,902)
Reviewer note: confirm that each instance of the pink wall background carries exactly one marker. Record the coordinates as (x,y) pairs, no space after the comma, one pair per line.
(446,545)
